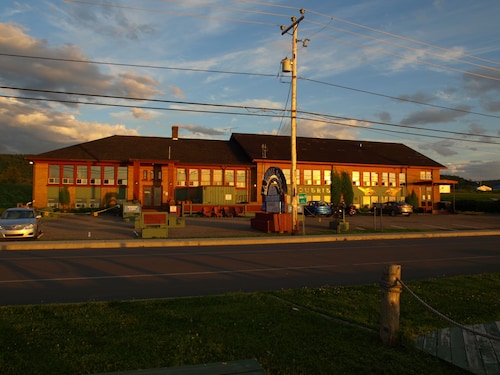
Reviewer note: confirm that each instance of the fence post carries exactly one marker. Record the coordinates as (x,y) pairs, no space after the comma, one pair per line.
(389,311)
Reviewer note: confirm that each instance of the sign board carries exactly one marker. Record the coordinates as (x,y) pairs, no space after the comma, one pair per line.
(302,198)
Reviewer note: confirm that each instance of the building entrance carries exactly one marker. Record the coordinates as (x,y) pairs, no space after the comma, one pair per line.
(151,196)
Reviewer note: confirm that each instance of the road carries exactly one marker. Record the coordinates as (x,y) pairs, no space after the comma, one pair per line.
(37,277)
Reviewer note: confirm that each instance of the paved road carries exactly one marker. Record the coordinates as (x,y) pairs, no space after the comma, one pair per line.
(32,277)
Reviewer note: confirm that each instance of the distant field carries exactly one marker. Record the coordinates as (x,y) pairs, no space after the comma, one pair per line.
(474,201)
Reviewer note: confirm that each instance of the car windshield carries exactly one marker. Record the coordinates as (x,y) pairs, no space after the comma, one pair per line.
(18,214)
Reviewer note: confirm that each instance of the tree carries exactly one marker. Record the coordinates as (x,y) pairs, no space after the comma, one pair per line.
(347,190)
(336,188)
(64,197)
(412,199)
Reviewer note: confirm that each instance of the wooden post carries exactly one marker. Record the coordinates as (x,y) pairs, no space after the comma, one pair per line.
(389,311)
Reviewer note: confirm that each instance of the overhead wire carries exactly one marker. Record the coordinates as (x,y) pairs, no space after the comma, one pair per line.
(278,111)
(399,36)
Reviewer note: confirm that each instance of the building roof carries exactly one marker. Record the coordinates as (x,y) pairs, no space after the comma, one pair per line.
(119,148)
(330,150)
(241,149)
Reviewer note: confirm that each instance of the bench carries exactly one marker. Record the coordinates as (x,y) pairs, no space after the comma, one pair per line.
(247,366)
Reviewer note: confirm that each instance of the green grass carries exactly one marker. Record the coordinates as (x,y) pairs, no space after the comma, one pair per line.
(300,331)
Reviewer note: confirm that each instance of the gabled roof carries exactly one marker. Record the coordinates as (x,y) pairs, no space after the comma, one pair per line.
(329,150)
(119,148)
(241,149)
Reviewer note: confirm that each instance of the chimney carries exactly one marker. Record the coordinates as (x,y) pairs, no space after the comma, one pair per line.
(175,133)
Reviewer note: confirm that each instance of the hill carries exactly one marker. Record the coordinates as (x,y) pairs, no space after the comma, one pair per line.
(14,169)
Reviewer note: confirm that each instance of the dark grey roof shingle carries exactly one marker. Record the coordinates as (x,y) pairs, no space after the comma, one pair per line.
(330,150)
(241,149)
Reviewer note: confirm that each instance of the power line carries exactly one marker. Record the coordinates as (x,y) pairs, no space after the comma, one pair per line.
(247,108)
(397,98)
(243,74)
(444,67)
(400,37)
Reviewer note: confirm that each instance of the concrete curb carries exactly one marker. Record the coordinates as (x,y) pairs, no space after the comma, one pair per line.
(193,242)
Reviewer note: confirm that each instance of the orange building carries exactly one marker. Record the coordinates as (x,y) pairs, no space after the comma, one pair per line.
(158,171)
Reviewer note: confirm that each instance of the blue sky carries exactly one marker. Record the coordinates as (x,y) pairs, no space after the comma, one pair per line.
(422,73)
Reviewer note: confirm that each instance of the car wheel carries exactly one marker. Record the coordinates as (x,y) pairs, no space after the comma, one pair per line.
(393,213)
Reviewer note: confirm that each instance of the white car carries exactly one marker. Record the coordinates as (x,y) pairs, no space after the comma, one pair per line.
(17,223)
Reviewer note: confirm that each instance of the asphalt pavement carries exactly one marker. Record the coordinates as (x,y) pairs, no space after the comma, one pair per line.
(106,230)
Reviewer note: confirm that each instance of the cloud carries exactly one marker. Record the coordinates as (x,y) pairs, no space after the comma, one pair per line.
(54,123)
(106,20)
(435,115)
(475,170)
(485,85)
(199,131)
(384,116)
(442,148)
(139,113)
(419,97)
(26,127)
(308,128)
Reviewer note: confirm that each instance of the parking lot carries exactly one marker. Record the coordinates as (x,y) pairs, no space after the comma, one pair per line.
(108,227)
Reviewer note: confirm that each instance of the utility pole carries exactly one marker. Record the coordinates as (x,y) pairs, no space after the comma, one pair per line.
(293,125)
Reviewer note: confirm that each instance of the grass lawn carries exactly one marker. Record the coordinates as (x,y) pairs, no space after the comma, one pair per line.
(329,330)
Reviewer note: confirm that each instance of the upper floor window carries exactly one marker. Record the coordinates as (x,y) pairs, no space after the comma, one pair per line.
(54,174)
(425,175)
(194,179)
(241,179)
(181,177)
(229,177)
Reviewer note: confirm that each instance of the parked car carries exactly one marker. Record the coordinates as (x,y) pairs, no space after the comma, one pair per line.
(395,208)
(317,208)
(20,223)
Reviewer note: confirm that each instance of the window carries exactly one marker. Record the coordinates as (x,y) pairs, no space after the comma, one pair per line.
(316,176)
(109,175)
(54,174)
(95,175)
(194,179)
(374,178)
(327,177)
(385,179)
(355,178)
(307,177)
(122,175)
(217,177)
(392,179)
(181,177)
(402,179)
(366,178)
(229,177)
(68,174)
(241,179)
(205,177)
(425,175)
(286,173)
(82,174)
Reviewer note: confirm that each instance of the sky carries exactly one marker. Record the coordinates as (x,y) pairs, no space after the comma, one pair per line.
(422,73)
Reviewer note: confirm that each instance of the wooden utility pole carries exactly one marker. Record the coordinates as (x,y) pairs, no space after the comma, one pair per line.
(293,125)
(390,307)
